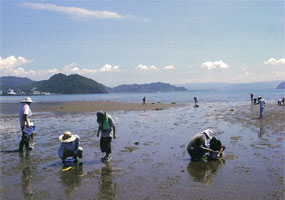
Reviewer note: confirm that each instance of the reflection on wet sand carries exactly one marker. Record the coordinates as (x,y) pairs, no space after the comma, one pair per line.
(203,171)
(261,129)
(107,189)
(71,179)
(27,186)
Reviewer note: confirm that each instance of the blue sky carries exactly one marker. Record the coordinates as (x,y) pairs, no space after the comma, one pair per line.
(124,42)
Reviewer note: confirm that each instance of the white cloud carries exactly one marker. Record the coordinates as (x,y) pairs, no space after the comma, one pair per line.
(108,68)
(54,70)
(273,61)
(142,67)
(170,67)
(74,68)
(213,65)
(10,62)
(74,11)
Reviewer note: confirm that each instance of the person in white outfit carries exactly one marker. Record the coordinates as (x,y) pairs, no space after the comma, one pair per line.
(25,117)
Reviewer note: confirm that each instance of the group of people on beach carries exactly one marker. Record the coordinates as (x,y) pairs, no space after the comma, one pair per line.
(69,146)
(199,145)
(281,102)
(259,101)
(69,143)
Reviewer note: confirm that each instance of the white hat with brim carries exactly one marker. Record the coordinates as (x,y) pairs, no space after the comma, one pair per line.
(208,132)
(27,100)
(67,137)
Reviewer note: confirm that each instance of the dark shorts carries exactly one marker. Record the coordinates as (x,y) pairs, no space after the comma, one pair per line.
(68,153)
(27,141)
(105,144)
(196,153)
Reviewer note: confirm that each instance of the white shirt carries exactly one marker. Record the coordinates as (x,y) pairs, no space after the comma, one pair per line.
(24,109)
(261,103)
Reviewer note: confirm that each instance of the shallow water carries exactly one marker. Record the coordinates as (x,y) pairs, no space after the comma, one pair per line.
(149,159)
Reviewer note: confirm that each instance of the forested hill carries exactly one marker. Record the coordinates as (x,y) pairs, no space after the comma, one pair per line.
(63,84)
(152,87)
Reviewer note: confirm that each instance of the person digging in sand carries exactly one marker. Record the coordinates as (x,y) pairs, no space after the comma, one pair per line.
(216,145)
(108,130)
(198,145)
(69,147)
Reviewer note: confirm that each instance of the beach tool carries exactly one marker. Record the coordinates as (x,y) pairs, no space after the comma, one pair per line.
(66,169)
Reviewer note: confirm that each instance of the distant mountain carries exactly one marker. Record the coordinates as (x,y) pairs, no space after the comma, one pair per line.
(72,84)
(266,85)
(152,87)
(13,82)
(281,85)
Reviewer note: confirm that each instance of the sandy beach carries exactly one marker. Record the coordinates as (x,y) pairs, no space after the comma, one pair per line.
(88,106)
(149,158)
(106,106)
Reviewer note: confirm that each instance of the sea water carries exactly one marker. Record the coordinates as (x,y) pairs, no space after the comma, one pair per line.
(162,97)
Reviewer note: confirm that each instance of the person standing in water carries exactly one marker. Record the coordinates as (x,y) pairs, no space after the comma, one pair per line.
(25,117)
(261,103)
(108,130)
(196,102)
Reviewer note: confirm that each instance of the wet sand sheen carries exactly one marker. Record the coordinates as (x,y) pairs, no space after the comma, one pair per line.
(149,158)
(83,106)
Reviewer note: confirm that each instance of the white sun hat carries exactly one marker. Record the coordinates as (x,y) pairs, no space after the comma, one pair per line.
(27,100)
(208,132)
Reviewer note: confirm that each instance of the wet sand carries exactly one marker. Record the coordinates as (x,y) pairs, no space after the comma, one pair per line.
(106,106)
(86,106)
(149,158)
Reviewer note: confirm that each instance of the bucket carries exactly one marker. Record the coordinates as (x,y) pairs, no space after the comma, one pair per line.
(68,161)
(214,155)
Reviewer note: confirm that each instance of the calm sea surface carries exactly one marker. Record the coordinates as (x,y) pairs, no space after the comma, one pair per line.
(163,97)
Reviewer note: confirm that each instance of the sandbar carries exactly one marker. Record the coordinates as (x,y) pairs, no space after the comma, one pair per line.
(84,106)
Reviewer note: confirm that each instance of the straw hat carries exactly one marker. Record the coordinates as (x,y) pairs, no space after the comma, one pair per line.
(27,100)
(67,137)
(208,132)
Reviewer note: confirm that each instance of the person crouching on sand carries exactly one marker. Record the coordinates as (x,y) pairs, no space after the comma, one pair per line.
(69,147)
(108,130)
(198,145)
(216,145)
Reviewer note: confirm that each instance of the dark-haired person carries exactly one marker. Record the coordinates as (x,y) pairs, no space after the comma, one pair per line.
(108,131)
(216,145)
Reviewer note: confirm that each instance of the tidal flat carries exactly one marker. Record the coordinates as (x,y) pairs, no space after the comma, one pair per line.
(149,158)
